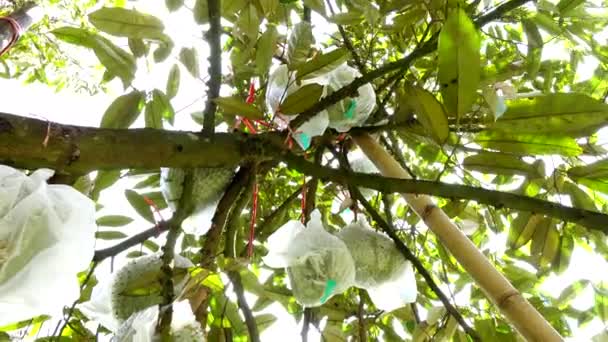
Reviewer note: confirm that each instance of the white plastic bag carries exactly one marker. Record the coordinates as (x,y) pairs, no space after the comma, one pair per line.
(318,264)
(380,267)
(350,112)
(47,236)
(280,85)
(140,327)
(208,186)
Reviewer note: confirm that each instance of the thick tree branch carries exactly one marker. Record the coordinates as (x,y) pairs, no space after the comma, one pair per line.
(213,37)
(73,149)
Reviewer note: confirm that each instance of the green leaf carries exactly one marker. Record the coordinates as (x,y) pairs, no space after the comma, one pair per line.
(124,22)
(117,61)
(76,36)
(163,51)
(138,47)
(459,62)
(157,109)
(173,82)
(522,229)
(110,235)
(248,24)
(104,180)
(499,164)
(572,291)
(264,321)
(597,184)
(569,114)
(301,99)
(174,5)
(535,47)
(578,197)
(322,64)
(347,18)
(562,259)
(269,7)
(265,49)
(598,169)
(189,59)
(299,44)
(316,5)
(529,144)
(114,220)
(123,111)
(235,106)
(429,112)
(545,243)
(201,12)
(139,204)
(601,301)
(565,6)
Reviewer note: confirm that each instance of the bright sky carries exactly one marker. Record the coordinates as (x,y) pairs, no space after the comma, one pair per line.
(82,109)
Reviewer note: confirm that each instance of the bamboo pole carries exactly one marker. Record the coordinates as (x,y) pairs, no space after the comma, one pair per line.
(522,315)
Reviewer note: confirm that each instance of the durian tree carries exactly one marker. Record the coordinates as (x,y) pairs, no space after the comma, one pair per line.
(233,132)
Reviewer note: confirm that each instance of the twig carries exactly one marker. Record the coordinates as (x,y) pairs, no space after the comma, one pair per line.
(71,310)
(136,239)
(252,327)
(215,65)
(184,209)
(361,318)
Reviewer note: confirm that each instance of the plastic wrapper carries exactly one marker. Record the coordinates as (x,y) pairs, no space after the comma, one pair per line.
(140,327)
(208,186)
(280,85)
(47,236)
(350,112)
(380,267)
(136,285)
(318,264)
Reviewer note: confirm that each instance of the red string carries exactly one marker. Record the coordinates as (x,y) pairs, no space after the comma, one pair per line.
(251,95)
(156,210)
(254,214)
(303,202)
(16,28)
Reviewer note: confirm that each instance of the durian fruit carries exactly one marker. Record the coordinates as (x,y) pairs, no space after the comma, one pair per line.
(349,112)
(208,187)
(318,264)
(136,286)
(377,259)
(188,333)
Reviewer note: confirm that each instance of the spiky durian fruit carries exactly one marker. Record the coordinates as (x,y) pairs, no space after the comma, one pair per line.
(208,184)
(376,257)
(136,286)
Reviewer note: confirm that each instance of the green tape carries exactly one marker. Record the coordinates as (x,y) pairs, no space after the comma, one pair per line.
(330,286)
(350,112)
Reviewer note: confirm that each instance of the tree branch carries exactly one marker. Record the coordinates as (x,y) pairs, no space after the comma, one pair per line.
(215,65)
(21,146)
(136,239)
(589,219)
